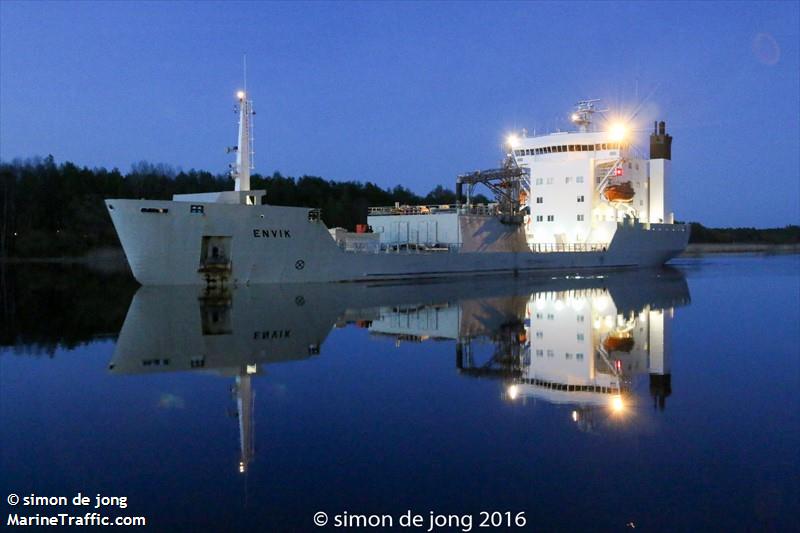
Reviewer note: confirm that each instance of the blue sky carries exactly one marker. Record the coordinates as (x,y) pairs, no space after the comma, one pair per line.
(410,93)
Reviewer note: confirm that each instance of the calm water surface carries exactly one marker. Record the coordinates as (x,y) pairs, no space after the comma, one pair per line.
(662,400)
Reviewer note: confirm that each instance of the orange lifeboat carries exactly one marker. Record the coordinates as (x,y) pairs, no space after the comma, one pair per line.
(618,344)
(619,192)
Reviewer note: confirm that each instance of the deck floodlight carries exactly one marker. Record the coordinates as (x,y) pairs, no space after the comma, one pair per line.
(618,131)
(512,141)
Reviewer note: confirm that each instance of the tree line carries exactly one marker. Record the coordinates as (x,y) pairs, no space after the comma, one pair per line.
(50,210)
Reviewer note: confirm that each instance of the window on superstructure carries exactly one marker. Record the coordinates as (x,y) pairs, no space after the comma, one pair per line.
(550,218)
(605,146)
(539,218)
(579,179)
(563,147)
(571,148)
(580,218)
(196,209)
(580,198)
(539,199)
(567,179)
(539,181)
(549,181)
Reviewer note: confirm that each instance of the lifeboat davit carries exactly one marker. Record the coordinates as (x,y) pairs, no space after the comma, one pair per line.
(619,192)
(618,344)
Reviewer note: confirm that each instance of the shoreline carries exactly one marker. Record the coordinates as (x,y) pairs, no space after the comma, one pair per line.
(700,249)
(114,258)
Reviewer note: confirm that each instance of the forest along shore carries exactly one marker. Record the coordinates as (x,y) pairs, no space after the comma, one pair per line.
(739,248)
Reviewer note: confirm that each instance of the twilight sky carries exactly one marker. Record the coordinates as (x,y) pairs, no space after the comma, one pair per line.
(410,93)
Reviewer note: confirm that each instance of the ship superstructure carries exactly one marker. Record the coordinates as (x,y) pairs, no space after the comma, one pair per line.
(575,201)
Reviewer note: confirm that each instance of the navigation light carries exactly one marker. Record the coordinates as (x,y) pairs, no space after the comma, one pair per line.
(618,131)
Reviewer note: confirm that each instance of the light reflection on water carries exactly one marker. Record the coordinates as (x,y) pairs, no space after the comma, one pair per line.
(640,397)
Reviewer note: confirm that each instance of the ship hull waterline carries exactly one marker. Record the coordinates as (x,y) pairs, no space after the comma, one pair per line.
(165,243)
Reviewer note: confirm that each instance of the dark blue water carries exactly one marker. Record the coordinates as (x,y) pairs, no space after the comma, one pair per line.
(557,398)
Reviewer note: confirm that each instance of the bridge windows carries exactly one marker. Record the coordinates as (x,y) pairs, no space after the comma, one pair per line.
(580,198)
(539,200)
(550,218)
(557,149)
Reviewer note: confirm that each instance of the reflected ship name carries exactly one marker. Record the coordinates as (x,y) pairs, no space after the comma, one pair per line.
(272,334)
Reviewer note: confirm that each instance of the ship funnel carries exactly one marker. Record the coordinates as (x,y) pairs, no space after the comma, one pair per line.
(660,142)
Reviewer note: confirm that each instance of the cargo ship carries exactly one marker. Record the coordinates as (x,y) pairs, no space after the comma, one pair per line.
(567,201)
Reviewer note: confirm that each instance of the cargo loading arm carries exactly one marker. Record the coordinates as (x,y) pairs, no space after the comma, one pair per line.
(506,184)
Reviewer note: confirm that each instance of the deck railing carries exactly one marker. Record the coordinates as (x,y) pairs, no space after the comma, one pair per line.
(413,248)
(473,209)
(548,247)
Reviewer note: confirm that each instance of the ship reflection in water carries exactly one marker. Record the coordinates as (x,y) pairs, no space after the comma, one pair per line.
(577,341)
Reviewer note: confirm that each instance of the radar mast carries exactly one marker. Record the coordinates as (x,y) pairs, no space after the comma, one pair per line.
(582,116)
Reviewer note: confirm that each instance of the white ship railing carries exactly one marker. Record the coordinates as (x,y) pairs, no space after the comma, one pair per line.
(474,209)
(549,247)
(411,210)
(413,248)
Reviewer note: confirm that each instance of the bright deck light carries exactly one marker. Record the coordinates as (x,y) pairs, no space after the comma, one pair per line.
(512,141)
(618,131)
(513,392)
(617,405)
(240,95)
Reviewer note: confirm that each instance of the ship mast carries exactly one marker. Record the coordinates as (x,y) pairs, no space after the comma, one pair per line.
(244,149)
(582,117)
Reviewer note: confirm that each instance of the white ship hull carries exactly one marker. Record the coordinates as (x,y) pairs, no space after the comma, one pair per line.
(165,243)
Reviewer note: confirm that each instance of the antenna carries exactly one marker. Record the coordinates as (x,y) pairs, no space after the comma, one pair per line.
(244,149)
